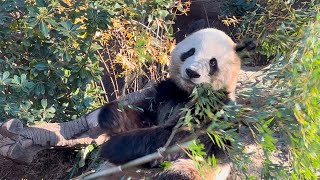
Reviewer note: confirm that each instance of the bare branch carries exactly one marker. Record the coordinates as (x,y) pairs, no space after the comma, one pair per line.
(139,161)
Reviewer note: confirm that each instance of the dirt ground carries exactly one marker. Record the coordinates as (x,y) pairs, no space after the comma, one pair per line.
(50,164)
(57,164)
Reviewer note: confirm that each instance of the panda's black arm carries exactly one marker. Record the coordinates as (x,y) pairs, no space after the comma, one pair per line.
(118,116)
(128,146)
(128,112)
(115,118)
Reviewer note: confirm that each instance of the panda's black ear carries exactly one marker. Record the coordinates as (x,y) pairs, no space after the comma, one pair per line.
(247,44)
(196,26)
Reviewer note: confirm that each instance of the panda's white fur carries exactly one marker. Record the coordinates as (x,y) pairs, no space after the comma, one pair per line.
(208,43)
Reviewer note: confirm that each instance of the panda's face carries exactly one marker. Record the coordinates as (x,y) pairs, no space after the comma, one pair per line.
(206,56)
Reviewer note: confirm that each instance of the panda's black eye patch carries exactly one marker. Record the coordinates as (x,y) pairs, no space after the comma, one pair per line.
(188,54)
(213,66)
(213,62)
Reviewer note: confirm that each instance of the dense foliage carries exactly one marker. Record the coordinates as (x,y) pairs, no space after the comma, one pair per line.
(51,52)
(295,106)
(286,103)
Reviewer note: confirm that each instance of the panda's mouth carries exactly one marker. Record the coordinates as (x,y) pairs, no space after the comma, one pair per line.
(188,81)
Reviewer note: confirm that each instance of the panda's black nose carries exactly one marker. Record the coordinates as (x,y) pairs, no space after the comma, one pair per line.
(192,74)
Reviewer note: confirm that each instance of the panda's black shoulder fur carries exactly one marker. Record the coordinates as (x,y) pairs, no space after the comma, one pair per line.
(168,90)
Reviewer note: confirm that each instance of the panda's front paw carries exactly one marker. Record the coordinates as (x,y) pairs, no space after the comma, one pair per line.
(121,149)
(114,150)
(131,145)
(110,118)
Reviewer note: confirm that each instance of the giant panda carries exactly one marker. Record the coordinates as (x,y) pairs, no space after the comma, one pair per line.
(205,56)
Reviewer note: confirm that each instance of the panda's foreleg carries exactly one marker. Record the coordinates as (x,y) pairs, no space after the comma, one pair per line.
(131,145)
(115,118)
(134,144)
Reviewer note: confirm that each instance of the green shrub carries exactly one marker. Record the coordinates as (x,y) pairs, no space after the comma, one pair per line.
(287,119)
(299,113)
(48,59)
(49,53)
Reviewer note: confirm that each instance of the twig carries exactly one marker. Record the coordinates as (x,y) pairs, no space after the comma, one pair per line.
(113,81)
(127,82)
(205,11)
(148,28)
(139,161)
(104,90)
(173,133)
(176,127)
(116,89)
